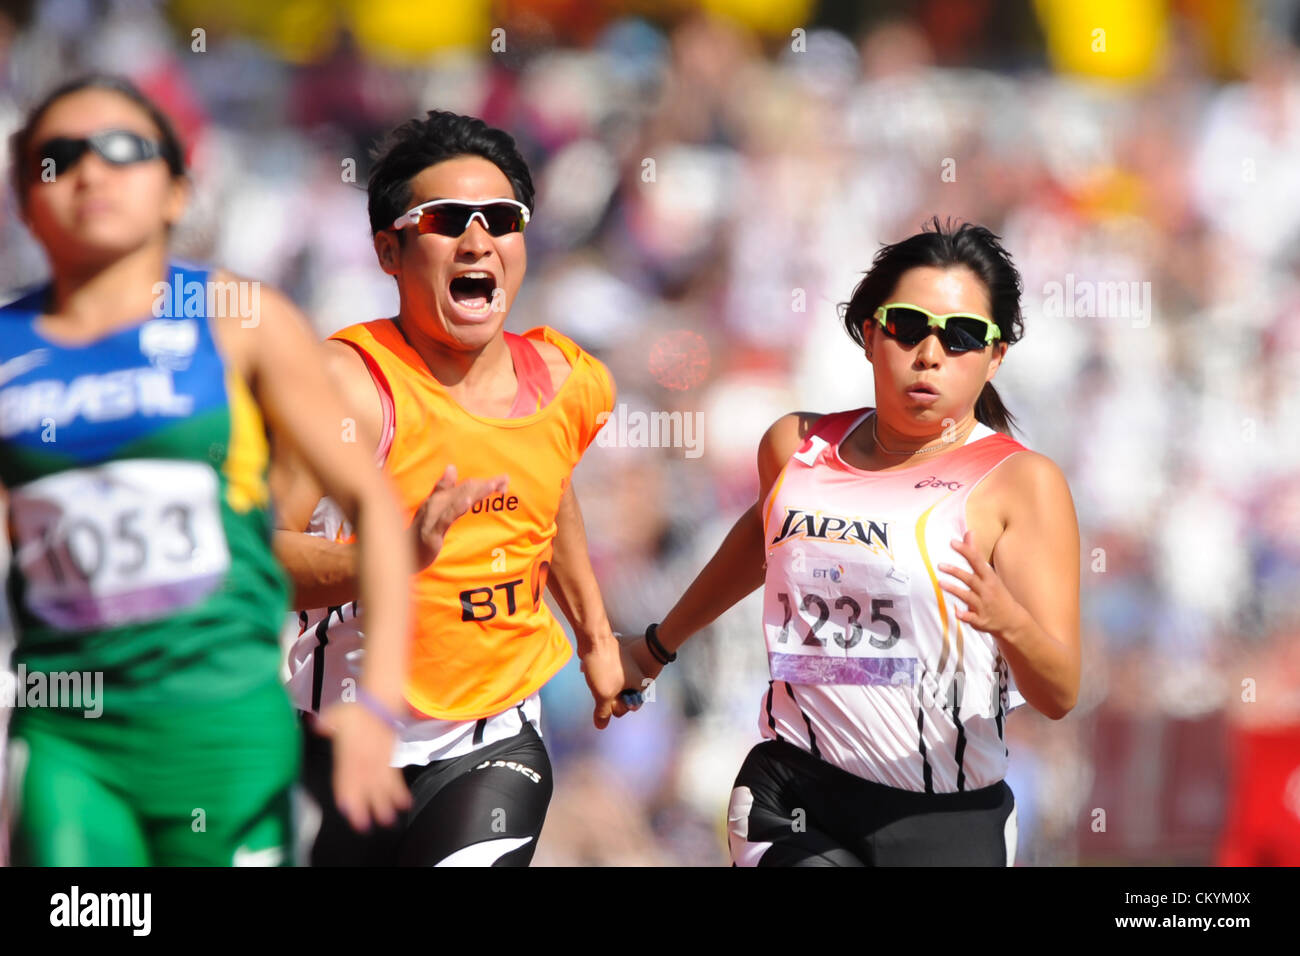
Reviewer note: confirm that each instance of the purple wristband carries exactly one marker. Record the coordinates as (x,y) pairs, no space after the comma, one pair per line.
(370,703)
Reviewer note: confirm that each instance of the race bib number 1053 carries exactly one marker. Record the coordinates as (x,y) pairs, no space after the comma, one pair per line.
(121,543)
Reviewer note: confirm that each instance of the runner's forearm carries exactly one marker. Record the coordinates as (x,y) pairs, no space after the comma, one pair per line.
(323,573)
(735,571)
(572,582)
(386,565)
(1046,669)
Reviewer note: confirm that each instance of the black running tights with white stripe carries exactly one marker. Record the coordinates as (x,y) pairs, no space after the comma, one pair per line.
(789,808)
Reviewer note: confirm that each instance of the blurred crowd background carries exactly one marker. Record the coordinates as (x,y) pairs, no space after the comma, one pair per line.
(713,178)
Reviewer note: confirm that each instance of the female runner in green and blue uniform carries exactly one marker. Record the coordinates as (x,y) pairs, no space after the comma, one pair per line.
(133,453)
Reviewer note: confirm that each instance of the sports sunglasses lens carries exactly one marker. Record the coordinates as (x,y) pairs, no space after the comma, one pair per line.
(63,152)
(503,219)
(448,220)
(907,325)
(965,335)
(121,148)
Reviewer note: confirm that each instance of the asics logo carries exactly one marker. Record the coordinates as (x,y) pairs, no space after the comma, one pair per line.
(527,771)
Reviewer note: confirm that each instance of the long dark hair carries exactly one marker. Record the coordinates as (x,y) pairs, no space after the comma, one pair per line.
(21,141)
(942,246)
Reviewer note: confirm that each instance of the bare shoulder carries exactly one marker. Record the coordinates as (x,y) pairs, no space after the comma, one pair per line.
(276,339)
(784,436)
(1026,498)
(248,318)
(348,371)
(345,364)
(1031,468)
(781,440)
(1029,482)
(555,360)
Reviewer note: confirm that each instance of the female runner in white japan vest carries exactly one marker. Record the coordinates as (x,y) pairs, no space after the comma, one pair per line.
(921,579)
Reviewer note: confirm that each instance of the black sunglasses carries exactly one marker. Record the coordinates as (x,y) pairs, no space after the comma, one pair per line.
(958,331)
(117,146)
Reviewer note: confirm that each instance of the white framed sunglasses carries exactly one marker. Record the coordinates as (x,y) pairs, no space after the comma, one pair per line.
(451,217)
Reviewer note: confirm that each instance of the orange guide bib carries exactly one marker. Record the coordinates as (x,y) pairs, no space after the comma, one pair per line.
(484,638)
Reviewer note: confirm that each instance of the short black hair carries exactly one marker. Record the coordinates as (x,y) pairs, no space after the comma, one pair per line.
(420,143)
(20,143)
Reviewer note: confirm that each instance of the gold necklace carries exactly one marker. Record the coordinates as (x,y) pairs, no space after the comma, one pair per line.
(924,451)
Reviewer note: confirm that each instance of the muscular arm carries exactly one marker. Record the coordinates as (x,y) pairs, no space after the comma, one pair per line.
(573,584)
(303,406)
(571,580)
(734,572)
(324,573)
(279,357)
(1037,558)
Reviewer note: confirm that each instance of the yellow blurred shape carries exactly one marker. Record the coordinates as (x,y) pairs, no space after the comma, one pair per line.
(297,30)
(303,31)
(1109,39)
(406,32)
(768,17)
(1224,27)
(1108,193)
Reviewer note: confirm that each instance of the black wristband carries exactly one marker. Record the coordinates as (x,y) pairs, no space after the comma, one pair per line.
(657,650)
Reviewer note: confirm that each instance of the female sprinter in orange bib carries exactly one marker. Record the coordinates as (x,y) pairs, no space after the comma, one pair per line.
(921,573)
(442,383)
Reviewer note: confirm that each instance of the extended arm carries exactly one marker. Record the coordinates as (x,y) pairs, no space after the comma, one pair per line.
(734,572)
(572,583)
(324,573)
(736,569)
(302,406)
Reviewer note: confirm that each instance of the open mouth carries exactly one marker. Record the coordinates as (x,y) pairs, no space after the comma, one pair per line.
(473,291)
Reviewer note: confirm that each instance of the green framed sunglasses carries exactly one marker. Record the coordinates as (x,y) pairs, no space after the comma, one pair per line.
(958,331)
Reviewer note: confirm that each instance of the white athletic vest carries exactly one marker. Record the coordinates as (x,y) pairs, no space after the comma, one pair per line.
(871,670)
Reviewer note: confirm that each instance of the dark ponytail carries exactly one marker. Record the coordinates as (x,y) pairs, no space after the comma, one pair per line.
(941,245)
(990,411)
